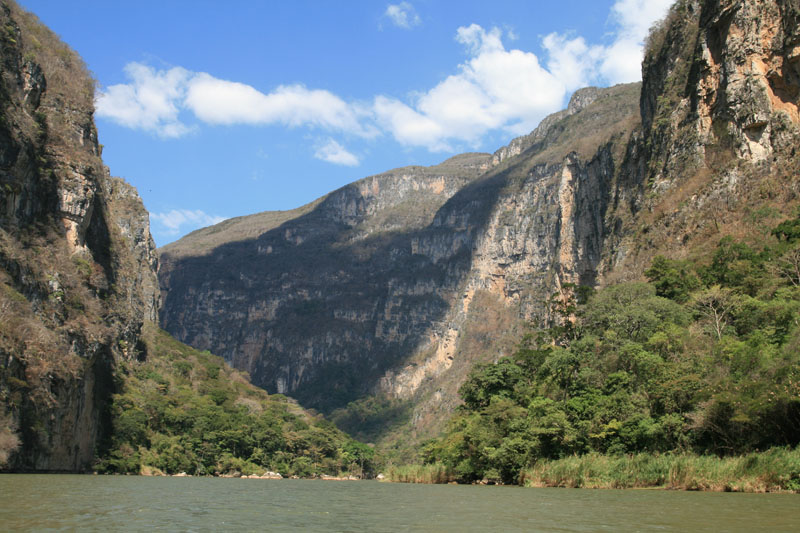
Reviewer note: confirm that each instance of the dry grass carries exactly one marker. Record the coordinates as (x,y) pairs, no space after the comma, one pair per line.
(204,240)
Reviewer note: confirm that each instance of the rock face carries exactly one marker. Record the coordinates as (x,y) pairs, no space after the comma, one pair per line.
(77,274)
(346,284)
(393,286)
(371,287)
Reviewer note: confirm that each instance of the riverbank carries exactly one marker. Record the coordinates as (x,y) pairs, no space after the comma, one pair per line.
(148,471)
(775,470)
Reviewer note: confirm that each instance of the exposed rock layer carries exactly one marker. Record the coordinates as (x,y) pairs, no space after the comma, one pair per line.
(370,288)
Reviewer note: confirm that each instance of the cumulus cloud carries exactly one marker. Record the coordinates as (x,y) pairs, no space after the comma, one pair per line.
(578,64)
(494,89)
(153,100)
(149,102)
(335,153)
(403,15)
(571,60)
(511,90)
(622,60)
(217,101)
(179,221)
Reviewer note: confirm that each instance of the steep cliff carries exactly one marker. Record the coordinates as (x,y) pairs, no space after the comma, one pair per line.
(78,264)
(371,289)
(339,288)
(394,286)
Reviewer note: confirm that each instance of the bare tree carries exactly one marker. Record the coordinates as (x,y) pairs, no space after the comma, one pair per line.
(716,304)
(788,266)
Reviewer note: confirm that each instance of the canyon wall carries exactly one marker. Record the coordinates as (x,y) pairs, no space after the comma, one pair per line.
(78,265)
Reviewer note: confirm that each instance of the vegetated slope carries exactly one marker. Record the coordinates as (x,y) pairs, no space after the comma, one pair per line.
(705,358)
(77,276)
(182,410)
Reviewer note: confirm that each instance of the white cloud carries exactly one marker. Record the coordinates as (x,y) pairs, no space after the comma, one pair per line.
(495,89)
(153,100)
(571,60)
(216,101)
(510,90)
(623,59)
(407,125)
(403,15)
(335,153)
(149,102)
(636,17)
(179,221)
(578,64)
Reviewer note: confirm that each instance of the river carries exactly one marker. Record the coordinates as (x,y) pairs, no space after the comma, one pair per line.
(44,502)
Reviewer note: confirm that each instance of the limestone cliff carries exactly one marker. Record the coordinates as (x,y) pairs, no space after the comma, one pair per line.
(370,289)
(721,82)
(77,276)
(324,300)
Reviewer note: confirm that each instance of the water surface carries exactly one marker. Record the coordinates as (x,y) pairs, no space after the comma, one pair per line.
(44,502)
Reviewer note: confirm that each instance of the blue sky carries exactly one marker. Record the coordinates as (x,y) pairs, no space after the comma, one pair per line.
(214,110)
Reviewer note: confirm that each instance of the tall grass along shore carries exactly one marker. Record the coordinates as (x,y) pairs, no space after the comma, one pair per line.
(774,470)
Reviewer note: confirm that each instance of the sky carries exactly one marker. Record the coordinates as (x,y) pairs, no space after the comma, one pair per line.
(214,110)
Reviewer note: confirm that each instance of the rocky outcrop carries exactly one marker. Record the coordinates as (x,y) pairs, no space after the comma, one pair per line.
(78,264)
(722,73)
(546,228)
(720,127)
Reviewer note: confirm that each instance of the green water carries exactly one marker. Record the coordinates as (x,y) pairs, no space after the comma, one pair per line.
(118,503)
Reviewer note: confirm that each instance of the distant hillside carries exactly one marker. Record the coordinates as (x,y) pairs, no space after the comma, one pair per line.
(185,411)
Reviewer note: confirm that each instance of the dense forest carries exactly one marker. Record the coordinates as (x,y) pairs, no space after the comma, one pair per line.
(182,410)
(702,358)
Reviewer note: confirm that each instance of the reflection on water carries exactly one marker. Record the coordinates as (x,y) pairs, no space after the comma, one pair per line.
(120,503)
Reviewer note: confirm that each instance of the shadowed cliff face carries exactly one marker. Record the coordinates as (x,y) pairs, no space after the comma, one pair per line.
(368,290)
(77,264)
(546,227)
(322,305)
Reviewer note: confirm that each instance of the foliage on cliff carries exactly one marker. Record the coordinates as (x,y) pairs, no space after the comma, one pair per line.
(182,410)
(703,358)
